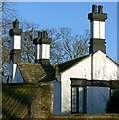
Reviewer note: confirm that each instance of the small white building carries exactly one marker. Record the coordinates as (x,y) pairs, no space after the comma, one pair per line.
(82,85)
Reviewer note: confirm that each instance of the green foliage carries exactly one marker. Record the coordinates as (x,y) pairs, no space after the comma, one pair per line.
(113,103)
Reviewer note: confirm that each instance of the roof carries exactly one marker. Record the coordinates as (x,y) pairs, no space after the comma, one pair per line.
(66,65)
(69,64)
(35,72)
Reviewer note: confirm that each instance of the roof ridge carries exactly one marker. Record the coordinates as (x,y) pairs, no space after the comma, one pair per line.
(75,59)
(28,63)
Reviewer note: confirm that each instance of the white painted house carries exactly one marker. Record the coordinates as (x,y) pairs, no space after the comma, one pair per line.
(82,85)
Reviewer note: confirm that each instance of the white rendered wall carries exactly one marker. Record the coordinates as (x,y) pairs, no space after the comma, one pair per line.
(103,69)
(112,72)
(15,75)
(80,70)
(18,77)
(12,71)
(44,51)
(16,42)
(97,29)
(99,66)
(57,97)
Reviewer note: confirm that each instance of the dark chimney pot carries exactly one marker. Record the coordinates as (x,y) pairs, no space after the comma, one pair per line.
(45,34)
(100,9)
(16,24)
(94,8)
(39,34)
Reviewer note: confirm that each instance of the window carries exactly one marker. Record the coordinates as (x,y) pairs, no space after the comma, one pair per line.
(74,99)
(78,99)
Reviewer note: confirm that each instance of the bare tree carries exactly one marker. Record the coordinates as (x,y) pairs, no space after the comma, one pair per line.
(27,52)
(66,46)
(8,14)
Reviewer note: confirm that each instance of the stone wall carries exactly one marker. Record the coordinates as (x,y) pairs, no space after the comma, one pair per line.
(27,100)
(42,103)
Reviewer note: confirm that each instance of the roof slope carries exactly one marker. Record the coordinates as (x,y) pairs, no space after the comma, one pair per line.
(35,72)
(31,73)
(68,64)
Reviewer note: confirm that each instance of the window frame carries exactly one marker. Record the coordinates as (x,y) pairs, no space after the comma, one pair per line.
(77,99)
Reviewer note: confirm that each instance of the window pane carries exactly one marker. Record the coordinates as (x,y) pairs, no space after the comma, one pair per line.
(73,96)
(73,109)
(81,99)
(73,89)
(74,99)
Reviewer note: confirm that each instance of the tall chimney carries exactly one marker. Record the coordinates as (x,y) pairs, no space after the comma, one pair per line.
(42,48)
(15,49)
(97,29)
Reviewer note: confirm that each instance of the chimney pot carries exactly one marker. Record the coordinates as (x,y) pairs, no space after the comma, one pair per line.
(45,34)
(100,9)
(39,34)
(94,8)
(16,24)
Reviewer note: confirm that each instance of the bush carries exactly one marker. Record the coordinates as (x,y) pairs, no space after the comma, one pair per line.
(113,103)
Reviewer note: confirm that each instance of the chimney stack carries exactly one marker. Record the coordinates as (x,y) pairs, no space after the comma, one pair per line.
(97,29)
(15,49)
(42,48)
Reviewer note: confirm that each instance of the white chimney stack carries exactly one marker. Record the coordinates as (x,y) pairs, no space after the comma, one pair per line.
(42,48)
(15,49)
(97,29)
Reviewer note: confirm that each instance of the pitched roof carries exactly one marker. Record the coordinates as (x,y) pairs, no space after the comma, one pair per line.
(66,65)
(35,72)
(50,73)
(69,64)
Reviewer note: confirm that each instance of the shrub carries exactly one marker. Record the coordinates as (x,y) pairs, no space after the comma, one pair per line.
(113,103)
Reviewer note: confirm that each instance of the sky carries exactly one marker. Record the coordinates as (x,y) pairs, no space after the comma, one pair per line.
(72,15)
